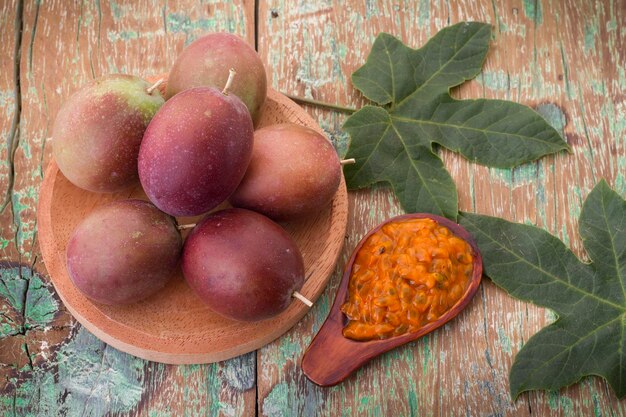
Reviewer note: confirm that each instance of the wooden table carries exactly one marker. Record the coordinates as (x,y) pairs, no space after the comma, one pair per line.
(566,58)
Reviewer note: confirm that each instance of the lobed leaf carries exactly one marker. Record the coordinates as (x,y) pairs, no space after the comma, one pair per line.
(394,143)
(589,338)
(417,175)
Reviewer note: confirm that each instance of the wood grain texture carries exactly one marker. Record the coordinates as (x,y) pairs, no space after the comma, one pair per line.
(66,370)
(566,58)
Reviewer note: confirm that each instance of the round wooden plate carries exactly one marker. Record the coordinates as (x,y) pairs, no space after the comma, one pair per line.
(174,326)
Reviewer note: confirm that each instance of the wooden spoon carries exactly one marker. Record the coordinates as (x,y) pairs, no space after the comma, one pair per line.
(331,357)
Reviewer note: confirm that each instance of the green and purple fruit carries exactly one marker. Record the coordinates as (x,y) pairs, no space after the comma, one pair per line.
(123,252)
(294,172)
(195,151)
(98,131)
(242,265)
(206,62)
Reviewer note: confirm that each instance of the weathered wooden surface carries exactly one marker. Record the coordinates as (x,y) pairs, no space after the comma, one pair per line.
(566,58)
(561,57)
(66,370)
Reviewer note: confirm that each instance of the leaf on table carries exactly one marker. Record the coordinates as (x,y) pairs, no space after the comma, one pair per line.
(589,338)
(393,142)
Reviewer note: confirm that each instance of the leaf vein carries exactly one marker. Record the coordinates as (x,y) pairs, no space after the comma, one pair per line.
(419,174)
(428,122)
(613,249)
(547,273)
(570,347)
(371,153)
(419,88)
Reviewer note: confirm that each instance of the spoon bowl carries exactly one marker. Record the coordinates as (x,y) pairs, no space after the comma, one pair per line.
(331,357)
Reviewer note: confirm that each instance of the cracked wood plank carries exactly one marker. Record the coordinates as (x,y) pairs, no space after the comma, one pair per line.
(50,365)
(564,58)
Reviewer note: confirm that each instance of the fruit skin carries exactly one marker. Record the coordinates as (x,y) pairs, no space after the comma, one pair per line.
(98,131)
(195,151)
(294,172)
(123,252)
(206,61)
(242,265)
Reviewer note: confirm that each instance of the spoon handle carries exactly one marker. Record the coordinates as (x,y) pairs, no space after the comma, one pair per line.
(331,357)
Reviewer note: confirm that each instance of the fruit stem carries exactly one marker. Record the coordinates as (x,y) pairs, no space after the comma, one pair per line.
(302,298)
(154,86)
(231,77)
(322,104)
(348,161)
(186,226)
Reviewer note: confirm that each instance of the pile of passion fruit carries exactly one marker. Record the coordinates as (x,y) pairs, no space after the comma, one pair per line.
(192,150)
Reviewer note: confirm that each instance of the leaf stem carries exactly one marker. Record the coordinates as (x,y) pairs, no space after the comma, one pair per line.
(316,103)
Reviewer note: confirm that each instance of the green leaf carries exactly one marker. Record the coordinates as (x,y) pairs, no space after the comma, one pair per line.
(414,171)
(394,143)
(589,338)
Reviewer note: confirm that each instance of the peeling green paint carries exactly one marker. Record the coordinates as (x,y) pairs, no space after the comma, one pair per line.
(181,23)
(343,50)
(558,401)
(519,175)
(98,376)
(533,10)
(24,200)
(7,99)
(427,355)
(598,87)
(424,16)
(591,30)
(505,341)
(240,372)
(499,80)
(112,67)
(336,70)
(620,183)
(92,379)
(291,349)
(517,29)
(322,308)
(86,18)
(370,9)
(277,403)
(551,316)
(413,401)
(553,114)
(116,10)
(331,125)
(30,298)
(615,114)
(160,413)
(41,305)
(124,35)
(12,289)
(24,146)
(611,25)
